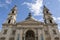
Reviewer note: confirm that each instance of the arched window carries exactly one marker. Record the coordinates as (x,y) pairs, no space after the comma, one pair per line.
(54,32)
(50,21)
(3,38)
(12,38)
(47,12)
(5,31)
(46,32)
(56,38)
(9,21)
(12,11)
(10,16)
(48,38)
(13,32)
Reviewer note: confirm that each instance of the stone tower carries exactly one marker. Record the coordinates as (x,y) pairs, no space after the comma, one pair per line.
(52,28)
(29,29)
(47,16)
(12,16)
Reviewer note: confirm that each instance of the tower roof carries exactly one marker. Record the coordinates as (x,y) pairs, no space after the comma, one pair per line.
(13,10)
(45,8)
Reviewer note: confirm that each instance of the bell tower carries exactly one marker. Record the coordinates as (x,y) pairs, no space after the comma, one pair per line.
(52,27)
(47,16)
(12,16)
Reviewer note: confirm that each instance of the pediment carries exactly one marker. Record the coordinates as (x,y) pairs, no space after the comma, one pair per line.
(30,21)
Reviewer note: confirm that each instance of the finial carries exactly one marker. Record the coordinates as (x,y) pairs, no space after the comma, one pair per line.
(44,7)
(29,15)
(15,6)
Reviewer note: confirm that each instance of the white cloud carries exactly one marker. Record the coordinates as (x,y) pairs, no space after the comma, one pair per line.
(59,30)
(35,7)
(8,1)
(35,19)
(56,18)
(41,19)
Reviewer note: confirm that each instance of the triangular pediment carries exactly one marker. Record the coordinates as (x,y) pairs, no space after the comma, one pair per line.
(30,21)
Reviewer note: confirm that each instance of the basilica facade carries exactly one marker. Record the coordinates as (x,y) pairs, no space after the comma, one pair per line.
(29,29)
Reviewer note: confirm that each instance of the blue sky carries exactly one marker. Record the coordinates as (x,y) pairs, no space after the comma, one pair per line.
(26,6)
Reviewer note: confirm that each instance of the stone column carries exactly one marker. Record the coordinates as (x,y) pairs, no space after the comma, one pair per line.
(16,35)
(39,32)
(8,33)
(51,33)
(36,37)
(21,33)
(43,34)
(24,36)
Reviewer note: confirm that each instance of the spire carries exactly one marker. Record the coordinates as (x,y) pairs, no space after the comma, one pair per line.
(12,16)
(14,8)
(45,8)
(47,15)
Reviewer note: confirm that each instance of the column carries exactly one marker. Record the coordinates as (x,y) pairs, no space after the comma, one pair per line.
(8,33)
